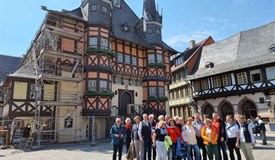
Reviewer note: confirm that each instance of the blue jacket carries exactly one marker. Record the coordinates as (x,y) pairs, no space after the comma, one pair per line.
(115,130)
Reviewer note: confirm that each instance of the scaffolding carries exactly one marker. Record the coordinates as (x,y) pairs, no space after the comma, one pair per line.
(54,66)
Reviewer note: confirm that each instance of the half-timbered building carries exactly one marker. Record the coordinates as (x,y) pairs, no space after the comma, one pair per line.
(99,60)
(182,65)
(237,75)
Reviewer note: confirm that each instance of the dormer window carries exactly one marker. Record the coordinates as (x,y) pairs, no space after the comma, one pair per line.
(104,10)
(116,3)
(272,49)
(209,65)
(93,8)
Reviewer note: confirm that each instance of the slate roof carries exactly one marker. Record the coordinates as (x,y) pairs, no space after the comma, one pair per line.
(243,50)
(8,64)
(123,15)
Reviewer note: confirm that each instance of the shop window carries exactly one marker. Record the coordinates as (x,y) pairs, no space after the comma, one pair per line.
(256,75)
(242,78)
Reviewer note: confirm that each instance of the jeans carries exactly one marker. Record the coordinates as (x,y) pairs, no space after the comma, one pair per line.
(221,146)
(161,151)
(231,144)
(147,144)
(119,148)
(138,148)
(212,149)
(174,152)
(196,149)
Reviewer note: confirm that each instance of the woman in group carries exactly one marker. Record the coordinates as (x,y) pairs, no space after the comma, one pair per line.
(189,135)
(135,138)
(158,140)
(210,137)
(128,130)
(174,133)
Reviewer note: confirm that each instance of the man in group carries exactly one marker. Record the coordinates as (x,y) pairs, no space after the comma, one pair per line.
(261,125)
(177,119)
(198,124)
(220,127)
(247,140)
(232,137)
(117,132)
(145,136)
(167,119)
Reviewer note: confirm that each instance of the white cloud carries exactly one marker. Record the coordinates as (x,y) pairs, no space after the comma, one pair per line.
(213,19)
(181,41)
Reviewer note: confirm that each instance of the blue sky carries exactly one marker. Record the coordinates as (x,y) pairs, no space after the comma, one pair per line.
(183,19)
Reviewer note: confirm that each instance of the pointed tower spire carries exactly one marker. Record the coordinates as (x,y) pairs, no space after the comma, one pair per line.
(149,6)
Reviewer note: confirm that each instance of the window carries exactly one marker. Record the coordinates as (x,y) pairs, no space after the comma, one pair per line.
(134,60)
(126,81)
(149,30)
(139,83)
(104,43)
(104,10)
(103,86)
(177,94)
(151,58)
(118,80)
(116,3)
(157,31)
(226,80)
(171,95)
(181,92)
(93,8)
(256,75)
(32,91)
(161,91)
(119,57)
(159,58)
(186,92)
(197,86)
(209,65)
(92,85)
(179,60)
(133,82)
(217,82)
(204,84)
(270,73)
(127,59)
(152,92)
(242,78)
(93,42)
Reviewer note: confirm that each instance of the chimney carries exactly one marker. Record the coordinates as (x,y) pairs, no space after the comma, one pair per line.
(192,44)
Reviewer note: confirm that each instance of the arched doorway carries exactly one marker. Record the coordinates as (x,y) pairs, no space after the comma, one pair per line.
(249,109)
(125,99)
(208,109)
(226,109)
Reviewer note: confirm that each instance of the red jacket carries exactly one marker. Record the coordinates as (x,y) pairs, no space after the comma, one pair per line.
(173,133)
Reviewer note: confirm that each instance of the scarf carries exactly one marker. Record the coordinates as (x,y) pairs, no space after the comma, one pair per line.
(128,126)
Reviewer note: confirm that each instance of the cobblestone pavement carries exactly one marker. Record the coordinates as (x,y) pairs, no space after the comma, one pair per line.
(103,151)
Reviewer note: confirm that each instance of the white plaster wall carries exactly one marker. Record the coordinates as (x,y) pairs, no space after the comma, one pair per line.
(263,109)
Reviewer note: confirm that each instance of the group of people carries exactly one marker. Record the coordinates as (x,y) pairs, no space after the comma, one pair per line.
(166,138)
